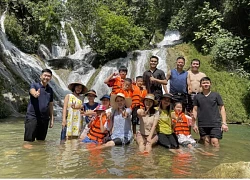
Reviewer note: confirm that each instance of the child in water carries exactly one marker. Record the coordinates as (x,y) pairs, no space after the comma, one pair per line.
(181,126)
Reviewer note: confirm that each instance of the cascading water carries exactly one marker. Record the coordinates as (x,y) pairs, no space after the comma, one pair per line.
(78,65)
(16,63)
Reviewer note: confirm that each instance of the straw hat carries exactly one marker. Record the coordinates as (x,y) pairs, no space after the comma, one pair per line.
(151,97)
(128,101)
(100,108)
(73,84)
(91,91)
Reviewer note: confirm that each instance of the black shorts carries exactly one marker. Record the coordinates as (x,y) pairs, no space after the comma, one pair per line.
(135,119)
(212,132)
(169,141)
(119,142)
(35,129)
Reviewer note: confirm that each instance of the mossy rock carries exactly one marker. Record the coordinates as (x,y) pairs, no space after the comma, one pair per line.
(229,170)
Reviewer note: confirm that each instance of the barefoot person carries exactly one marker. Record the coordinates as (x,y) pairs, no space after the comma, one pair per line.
(146,137)
(39,114)
(193,82)
(210,111)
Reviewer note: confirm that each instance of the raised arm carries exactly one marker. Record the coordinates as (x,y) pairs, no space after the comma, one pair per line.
(106,81)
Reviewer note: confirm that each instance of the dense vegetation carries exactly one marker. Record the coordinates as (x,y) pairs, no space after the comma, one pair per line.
(218,29)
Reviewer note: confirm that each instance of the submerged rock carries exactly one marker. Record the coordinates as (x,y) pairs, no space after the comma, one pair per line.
(229,170)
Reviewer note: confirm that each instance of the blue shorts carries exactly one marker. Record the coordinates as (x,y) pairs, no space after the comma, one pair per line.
(87,140)
(212,132)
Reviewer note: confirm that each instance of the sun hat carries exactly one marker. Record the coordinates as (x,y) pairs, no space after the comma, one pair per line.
(128,101)
(105,96)
(73,84)
(151,97)
(91,91)
(100,108)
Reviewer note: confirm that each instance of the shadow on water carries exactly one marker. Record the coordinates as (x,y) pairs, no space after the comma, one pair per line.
(72,159)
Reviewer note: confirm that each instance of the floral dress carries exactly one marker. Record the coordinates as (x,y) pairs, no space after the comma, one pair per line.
(74,118)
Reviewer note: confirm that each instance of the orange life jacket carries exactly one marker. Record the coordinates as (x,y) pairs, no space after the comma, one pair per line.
(95,130)
(116,84)
(181,127)
(137,97)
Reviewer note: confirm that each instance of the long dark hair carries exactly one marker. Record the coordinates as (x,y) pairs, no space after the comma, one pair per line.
(152,110)
(160,108)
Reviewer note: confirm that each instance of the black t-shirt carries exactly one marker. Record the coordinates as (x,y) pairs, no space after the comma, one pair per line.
(154,87)
(39,107)
(208,112)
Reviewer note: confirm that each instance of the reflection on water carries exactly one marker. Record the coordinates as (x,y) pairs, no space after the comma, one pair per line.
(50,159)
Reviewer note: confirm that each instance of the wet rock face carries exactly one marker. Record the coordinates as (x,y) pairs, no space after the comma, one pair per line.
(229,170)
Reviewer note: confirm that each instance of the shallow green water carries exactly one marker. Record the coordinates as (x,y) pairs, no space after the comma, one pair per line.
(50,159)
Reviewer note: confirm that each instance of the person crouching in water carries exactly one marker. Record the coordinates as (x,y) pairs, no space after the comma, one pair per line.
(148,117)
(166,136)
(121,120)
(98,127)
(181,126)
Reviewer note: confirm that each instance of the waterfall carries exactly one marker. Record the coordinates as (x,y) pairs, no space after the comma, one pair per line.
(28,67)
(2,21)
(77,44)
(77,66)
(60,50)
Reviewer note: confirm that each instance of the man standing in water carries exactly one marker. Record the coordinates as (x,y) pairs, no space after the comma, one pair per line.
(178,82)
(211,114)
(154,78)
(40,109)
(193,82)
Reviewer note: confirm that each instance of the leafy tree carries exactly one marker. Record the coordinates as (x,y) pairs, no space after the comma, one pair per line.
(114,33)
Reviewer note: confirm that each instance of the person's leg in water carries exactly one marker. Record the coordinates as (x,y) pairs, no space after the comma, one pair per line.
(141,141)
(149,146)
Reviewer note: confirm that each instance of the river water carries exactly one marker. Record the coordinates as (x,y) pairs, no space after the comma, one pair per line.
(50,159)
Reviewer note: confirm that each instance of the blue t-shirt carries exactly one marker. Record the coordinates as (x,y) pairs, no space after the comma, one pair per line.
(178,82)
(88,107)
(39,107)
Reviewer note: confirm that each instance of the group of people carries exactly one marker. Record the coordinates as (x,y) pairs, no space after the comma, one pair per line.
(163,118)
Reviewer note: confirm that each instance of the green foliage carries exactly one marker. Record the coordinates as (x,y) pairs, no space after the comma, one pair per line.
(31,23)
(232,88)
(227,50)
(114,33)
(209,23)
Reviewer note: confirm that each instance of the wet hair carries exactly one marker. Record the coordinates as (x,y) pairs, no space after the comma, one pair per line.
(47,70)
(123,68)
(181,57)
(205,79)
(139,77)
(154,57)
(128,80)
(197,60)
